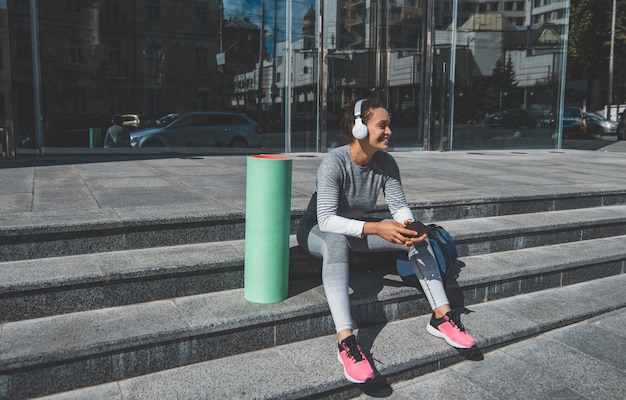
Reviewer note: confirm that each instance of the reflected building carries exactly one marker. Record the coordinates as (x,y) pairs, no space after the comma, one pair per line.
(440,70)
(141,57)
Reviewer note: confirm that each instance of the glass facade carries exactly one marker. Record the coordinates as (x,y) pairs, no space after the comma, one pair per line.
(455,74)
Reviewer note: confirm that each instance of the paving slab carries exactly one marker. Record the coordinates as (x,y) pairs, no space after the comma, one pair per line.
(58,187)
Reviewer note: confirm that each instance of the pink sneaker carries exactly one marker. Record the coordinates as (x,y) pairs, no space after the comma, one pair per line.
(450,328)
(356,367)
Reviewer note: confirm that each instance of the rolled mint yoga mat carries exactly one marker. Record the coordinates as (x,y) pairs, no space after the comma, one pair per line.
(268,222)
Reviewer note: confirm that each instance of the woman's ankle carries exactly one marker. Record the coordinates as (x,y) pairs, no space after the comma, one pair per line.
(341,335)
(439,312)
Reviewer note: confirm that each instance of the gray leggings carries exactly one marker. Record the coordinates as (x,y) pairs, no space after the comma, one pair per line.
(334,248)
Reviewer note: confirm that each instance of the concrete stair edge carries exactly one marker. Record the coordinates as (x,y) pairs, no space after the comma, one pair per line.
(471,236)
(26,300)
(24,223)
(25,235)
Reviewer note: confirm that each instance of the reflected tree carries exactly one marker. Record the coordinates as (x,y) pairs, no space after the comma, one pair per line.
(589,43)
(503,91)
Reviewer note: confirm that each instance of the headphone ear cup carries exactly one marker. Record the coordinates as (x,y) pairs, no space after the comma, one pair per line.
(359,130)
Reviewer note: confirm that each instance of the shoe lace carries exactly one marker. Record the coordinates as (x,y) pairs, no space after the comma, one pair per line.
(455,321)
(352,349)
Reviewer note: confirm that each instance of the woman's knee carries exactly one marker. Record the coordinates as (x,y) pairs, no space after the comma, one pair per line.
(336,240)
(323,244)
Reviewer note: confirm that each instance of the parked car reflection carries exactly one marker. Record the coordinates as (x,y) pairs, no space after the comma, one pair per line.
(202,129)
(132,121)
(166,119)
(513,118)
(574,125)
(598,125)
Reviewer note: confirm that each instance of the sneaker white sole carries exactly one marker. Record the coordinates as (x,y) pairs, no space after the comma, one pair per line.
(437,333)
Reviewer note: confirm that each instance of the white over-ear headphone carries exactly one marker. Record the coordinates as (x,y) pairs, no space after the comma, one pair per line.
(359,130)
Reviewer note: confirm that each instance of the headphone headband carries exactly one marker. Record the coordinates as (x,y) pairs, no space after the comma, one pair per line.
(359,130)
(357,108)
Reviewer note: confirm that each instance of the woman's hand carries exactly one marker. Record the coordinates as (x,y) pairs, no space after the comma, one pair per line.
(393,232)
(414,236)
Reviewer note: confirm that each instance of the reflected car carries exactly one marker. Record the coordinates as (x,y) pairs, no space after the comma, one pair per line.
(574,124)
(166,119)
(132,121)
(598,125)
(202,129)
(514,118)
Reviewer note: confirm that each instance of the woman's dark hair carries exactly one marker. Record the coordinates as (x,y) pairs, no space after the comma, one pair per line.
(118,120)
(347,118)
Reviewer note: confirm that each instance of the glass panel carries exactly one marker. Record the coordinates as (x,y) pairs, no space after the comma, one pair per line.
(274,92)
(454,74)
(507,75)
(405,42)
(374,49)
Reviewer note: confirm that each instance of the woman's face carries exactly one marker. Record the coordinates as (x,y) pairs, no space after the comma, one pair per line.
(378,129)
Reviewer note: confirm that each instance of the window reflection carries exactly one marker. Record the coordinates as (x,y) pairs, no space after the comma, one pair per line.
(454,74)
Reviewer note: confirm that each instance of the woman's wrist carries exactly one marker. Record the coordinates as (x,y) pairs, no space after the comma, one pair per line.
(369,228)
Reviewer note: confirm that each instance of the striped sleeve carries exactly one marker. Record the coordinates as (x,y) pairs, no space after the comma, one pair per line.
(394,193)
(329,185)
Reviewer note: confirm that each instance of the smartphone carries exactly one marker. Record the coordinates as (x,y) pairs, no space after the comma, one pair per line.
(419,228)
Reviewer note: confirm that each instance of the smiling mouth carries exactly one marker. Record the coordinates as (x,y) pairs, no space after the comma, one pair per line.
(383,138)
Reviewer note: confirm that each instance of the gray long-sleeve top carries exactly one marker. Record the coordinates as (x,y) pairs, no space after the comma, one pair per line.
(345,191)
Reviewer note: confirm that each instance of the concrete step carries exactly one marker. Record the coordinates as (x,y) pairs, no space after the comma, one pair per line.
(116,343)
(308,368)
(55,285)
(485,235)
(583,360)
(28,236)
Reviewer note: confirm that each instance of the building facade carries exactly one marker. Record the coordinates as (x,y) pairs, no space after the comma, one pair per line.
(454,74)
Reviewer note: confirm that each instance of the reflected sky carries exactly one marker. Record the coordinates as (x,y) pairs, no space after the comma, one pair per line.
(252,9)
